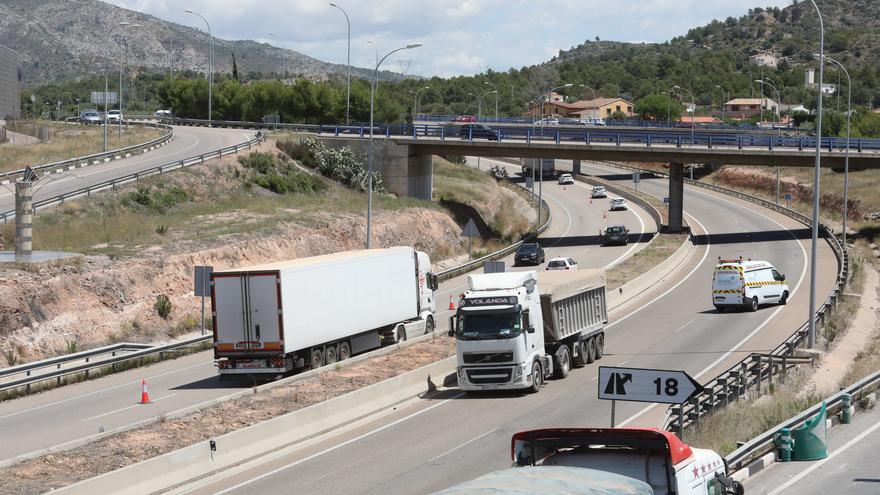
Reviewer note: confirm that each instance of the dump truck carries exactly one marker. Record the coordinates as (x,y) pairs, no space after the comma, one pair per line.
(512,330)
(602,461)
(304,313)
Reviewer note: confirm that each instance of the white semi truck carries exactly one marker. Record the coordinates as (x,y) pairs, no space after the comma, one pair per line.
(513,330)
(601,461)
(547,165)
(275,318)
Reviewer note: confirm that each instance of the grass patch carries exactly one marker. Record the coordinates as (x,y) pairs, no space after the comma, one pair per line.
(842,315)
(661,248)
(71,141)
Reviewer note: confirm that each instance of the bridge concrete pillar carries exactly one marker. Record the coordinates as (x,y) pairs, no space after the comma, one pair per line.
(676,197)
(576,166)
(420,175)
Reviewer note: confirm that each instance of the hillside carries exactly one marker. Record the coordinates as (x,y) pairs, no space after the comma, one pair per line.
(67,39)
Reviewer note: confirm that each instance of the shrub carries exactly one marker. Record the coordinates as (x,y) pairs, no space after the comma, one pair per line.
(281,178)
(161,229)
(163,306)
(342,165)
(156,200)
(260,162)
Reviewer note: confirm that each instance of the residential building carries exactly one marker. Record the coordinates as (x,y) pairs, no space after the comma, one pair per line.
(810,82)
(602,108)
(699,119)
(746,107)
(764,60)
(10,84)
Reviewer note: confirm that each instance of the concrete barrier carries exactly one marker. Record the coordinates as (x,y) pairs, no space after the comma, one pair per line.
(179,466)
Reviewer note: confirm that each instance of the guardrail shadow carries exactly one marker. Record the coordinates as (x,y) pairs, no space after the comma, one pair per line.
(749,237)
(589,240)
(215,382)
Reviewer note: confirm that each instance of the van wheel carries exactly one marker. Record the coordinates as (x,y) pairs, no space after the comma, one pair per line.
(754,305)
(784,300)
(330,354)
(400,334)
(429,325)
(563,362)
(537,378)
(720,309)
(591,350)
(317,358)
(580,360)
(600,345)
(344,351)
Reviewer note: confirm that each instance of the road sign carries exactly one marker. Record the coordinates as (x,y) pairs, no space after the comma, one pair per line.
(203,280)
(666,201)
(787,197)
(646,385)
(470,230)
(636,177)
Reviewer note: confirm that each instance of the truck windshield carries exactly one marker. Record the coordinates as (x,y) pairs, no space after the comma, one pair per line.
(477,326)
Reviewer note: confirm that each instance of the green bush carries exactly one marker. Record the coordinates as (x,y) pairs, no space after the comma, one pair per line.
(156,199)
(280,178)
(343,166)
(163,306)
(260,162)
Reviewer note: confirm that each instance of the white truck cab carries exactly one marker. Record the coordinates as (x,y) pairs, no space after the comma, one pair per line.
(747,284)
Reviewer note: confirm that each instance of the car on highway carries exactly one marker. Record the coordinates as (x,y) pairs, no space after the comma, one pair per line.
(747,284)
(614,234)
(163,114)
(566,179)
(599,122)
(548,121)
(599,192)
(529,253)
(114,116)
(562,264)
(619,204)
(463,119)
(479,131)
(90,116)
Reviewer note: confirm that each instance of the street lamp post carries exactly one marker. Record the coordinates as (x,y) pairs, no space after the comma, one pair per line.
(811,336)
(348,62)
(693,112)
(370,147)
(487,83)
(107,84)
(846,156)
(723,102)
(416,101)
(210,63)
(778,99)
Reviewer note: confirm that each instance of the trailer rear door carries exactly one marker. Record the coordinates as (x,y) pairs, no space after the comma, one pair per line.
(247,312)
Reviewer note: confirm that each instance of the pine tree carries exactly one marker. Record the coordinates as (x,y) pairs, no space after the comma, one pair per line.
(234,67)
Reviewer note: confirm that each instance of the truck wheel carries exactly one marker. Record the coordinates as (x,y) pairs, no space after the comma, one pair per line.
(784,299)
(400,334)
(563,362)
(429,325)
(330,354)
(537,378)
(344,351)
(580,360)
(600,345)
(591,350)
(753,306)
(317,358)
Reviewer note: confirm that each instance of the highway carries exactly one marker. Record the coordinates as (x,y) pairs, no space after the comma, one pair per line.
(434,443)
(187,142)
(73,412)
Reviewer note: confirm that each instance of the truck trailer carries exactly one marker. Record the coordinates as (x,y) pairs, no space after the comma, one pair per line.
(271,319)
(513,330)
(545,165)
(604,461)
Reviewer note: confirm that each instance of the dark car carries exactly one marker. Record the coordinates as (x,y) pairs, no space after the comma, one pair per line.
(478,131)
(529,253)
(615,234)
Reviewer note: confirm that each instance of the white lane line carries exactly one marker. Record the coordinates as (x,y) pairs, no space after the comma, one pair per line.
(127,408)
(684,326)
(338,446)
(472,440)
(819,464)
(127,384)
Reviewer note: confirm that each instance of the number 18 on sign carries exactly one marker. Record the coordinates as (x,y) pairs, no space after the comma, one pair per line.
(645,385)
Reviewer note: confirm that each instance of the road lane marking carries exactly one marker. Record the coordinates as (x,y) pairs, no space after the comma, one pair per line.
(684,326)
(472,440)
(819,464)
(127,408)
(338,446)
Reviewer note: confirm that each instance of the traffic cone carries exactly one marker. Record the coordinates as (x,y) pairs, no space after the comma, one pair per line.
(451,306)
(145,396)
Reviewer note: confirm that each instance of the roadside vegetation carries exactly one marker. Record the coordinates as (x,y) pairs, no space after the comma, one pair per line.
(68,141)
(661,248)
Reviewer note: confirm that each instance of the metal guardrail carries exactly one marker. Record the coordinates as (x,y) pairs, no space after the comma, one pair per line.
(112,183)
(763,443)
(28,368)
(78,161)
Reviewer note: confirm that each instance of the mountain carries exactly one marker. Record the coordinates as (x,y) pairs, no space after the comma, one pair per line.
(67,39)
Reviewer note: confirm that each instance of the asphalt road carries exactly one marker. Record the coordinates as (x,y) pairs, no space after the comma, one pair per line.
(851,466)
(32,423)
(433,443)
(187,142)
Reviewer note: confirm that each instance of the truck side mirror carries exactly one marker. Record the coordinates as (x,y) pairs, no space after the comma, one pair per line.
(451,332)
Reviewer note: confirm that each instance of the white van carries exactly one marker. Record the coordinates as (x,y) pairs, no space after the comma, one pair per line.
(748,284)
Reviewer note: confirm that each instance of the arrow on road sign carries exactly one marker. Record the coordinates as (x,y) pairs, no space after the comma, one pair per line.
(646,385)
(470,230)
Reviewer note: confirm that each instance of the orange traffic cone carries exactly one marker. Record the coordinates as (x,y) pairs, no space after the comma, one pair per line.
(145,396)
(451,306)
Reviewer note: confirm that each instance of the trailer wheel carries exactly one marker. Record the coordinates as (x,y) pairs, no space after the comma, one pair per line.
(344,351)
(429,325)
(591,350)
(330,354)
(563,362)
(580,360)
(317,358)
(600,345)
(537,378)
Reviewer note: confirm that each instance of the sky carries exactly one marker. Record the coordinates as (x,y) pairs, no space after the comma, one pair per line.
(459,37)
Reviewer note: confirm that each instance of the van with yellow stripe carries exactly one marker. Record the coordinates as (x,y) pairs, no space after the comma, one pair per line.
(747,284)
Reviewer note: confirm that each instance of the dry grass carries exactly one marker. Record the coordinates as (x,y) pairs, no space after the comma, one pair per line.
(71,141)
(657,252)
(837,322)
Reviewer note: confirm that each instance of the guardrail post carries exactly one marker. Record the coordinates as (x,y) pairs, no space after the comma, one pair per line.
(725,392)
(801,143)
(680,420)
(648,141)
(557,137)
(744,379)
(710,142)
(770,143)
(442,133)
(860,145)
(587,138)
(618,139)
(772,363)
(387,132)
(336,132)
(678,142)
(758,371)
(697,410)
(470,133)
(362,132)
(712,397)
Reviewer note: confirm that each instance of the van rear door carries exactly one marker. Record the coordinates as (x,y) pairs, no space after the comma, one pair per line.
(727,286)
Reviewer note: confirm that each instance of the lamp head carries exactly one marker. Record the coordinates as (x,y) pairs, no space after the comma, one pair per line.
(413,45)
(333,4)
(567,85)
(189,11)
(124,23)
